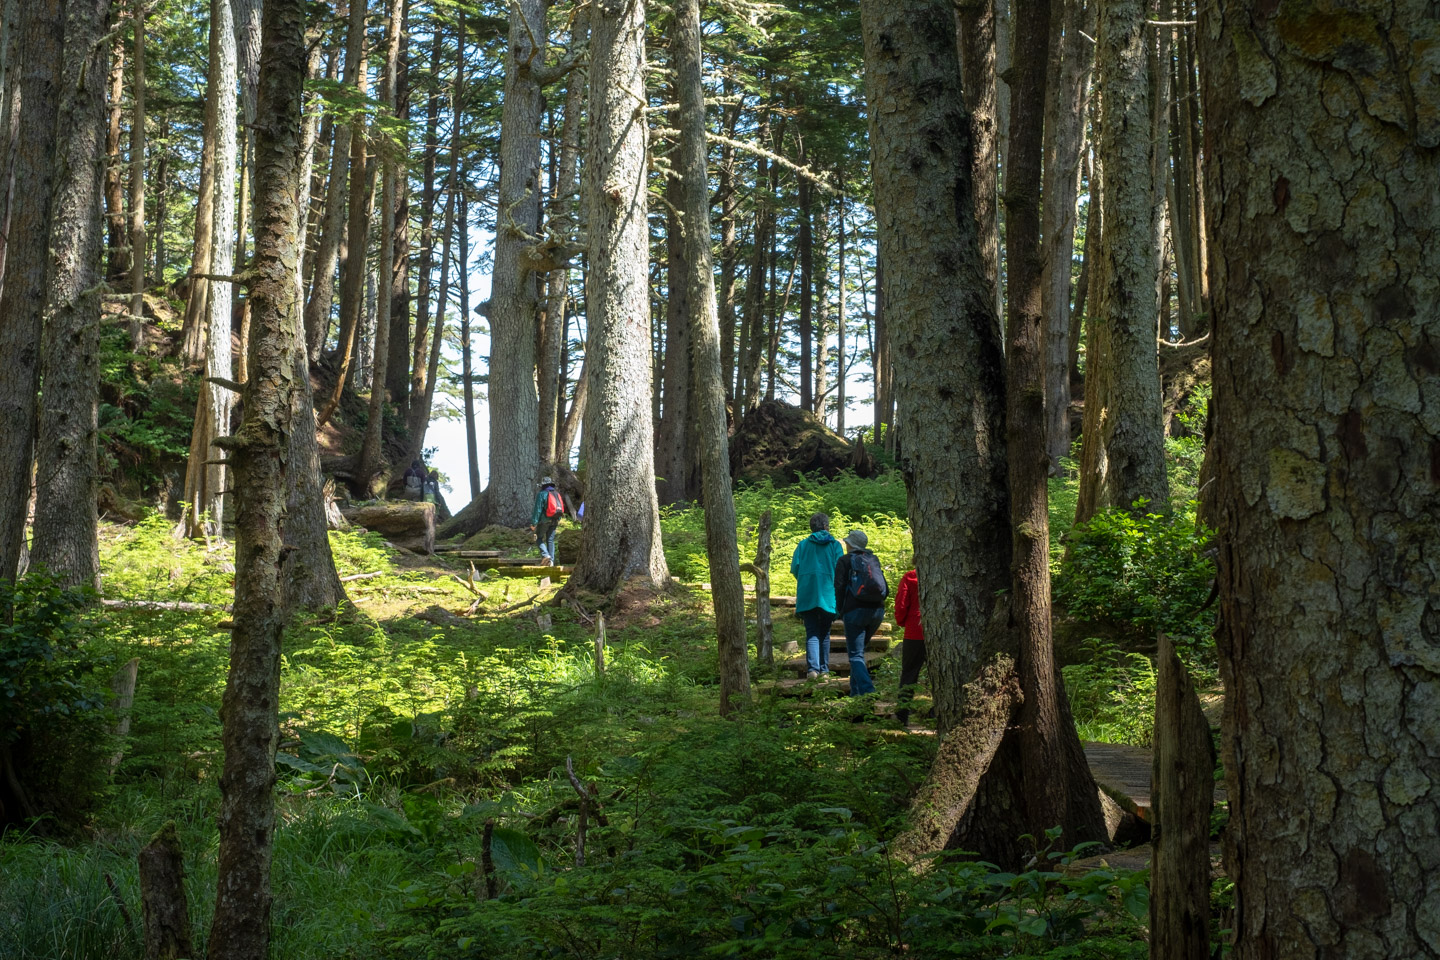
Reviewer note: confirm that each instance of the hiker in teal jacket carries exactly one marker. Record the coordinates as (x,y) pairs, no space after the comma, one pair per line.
(546,518)
(813,565)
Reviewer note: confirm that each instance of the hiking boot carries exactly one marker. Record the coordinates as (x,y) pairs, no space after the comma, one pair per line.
(811,674)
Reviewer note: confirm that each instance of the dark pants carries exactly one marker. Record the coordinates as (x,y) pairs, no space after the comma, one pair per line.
(860,625)
(912,658)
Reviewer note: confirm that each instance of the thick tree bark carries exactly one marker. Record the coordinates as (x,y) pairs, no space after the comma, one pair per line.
(249,710)
(397,365)
(222,259)
(163,904)
(137,187)
(22,298)
(1320,187)
(1059,790)
(1128,419)
(621,536)
(514,404)
(417,411)
(327,249)
(674,432)
(372,453)
(708,379)
(941,319)
(65,450)
(1067,93)
(975,22)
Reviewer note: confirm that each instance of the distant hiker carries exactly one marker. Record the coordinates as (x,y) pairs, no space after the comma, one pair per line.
(549,508)
(861,589)
(415,480)
(912,651)
(813,565)
(432,486)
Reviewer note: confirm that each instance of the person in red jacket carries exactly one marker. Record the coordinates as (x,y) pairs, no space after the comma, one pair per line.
(912,651)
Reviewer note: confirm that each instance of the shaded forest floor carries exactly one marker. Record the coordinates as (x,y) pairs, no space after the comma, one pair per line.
(406,741)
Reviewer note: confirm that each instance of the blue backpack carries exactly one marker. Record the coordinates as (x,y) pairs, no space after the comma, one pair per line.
(867,580)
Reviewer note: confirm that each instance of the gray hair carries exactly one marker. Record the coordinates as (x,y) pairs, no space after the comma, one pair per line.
(818,521)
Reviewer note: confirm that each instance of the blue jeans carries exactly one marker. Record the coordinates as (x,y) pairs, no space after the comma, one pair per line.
(545,537)
(817,638)
(860,625)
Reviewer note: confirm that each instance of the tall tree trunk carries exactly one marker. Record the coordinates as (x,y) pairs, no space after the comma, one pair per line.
(205,478)
(561,226)
(116,242)
(880,349)
(41,30)
(674,431)
(137,188)
(420,419)
(372,453)
(417,410)
(621,536)
(729,243)
(709,385)
(975,20)
(840,332)
(247,64)
(940,316)
(467,366)
(805,242)
(332,228)
(1059,790)
(514,404)
(249,710)
(162,190)
(359,207)
(1067,92)
(397,366)
(197,304)
(1132,465)
(1328,473)
(753,326)
(65,451)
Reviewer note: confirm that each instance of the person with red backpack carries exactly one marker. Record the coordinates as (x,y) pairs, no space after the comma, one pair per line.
(860,591)
(912,651)
(545,518)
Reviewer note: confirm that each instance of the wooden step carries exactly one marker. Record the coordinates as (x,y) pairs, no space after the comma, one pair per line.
(837,645)
(839,666)
(554,573)
(775,601)
(1123,772)
(457,551)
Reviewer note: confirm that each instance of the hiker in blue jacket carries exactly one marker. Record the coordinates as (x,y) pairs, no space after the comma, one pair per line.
(545,518)
(813,565)
(861,589)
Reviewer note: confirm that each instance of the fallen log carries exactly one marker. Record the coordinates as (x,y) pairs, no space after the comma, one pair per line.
(183,605)
(406,524)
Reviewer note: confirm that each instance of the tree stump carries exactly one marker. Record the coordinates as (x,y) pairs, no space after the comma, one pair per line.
(1182,792)
(162,897)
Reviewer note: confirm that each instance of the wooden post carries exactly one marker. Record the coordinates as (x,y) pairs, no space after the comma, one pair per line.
(766,642)
(162,897)
(599,645)
(1182,792)
(123,683)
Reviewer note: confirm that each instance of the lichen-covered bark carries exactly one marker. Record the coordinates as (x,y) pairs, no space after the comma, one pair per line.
(1321,181)
(622,521)
(65,484)
(23,295)
(514,304)
(975,34)
(1127,421)
(249,709)
(949,372)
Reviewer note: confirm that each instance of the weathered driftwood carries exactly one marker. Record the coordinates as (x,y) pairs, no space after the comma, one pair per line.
(162,897)
(1182,793)
(406,524)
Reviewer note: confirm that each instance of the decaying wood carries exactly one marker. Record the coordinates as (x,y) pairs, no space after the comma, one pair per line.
(599,645)
(964,757)
(763,620)
(407,524)
(162,897)
(1182,794)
